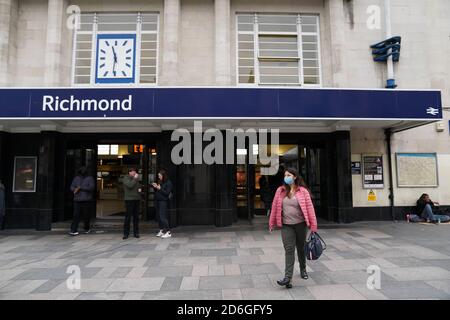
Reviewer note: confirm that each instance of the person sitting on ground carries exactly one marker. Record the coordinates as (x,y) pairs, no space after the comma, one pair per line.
(426,208)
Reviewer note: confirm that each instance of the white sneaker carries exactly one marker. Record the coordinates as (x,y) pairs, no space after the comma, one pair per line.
(73,234)
(160,233)
(166,235)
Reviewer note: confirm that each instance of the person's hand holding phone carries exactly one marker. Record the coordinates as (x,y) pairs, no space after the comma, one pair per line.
(156,186)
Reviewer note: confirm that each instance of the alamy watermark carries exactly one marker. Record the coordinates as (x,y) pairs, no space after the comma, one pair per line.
(73,282)
(374,280)
(73,21)
(373,21)
(229,147)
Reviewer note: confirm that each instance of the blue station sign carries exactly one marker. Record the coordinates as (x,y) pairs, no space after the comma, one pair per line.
(75,103)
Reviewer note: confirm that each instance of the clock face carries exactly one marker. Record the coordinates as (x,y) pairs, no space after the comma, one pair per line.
(115,58)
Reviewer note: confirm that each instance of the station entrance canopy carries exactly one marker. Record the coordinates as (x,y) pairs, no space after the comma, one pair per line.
(300,107)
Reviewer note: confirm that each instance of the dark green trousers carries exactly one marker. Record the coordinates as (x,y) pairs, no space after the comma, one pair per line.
(294,236)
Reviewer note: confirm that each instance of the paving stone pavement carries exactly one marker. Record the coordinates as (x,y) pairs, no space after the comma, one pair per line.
(226,263)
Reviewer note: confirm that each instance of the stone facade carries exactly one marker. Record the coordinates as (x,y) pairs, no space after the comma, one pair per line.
(197,47)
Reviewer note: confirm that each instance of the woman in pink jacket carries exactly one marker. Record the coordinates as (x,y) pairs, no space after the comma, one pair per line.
(293,212)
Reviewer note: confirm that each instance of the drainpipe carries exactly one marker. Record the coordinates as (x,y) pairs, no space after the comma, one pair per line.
(388,135)
(390,82)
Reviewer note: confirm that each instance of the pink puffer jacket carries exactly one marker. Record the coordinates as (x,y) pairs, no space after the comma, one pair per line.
(304,200)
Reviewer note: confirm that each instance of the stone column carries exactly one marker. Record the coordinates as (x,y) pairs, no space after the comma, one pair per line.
(53,47)
(169,73)
(336,19)
(46,179)
(222,40)
(8,9)
(3,172)
(225,194)
(3,154)
(338,171)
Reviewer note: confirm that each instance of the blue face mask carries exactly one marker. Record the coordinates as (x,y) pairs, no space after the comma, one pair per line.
(288,180)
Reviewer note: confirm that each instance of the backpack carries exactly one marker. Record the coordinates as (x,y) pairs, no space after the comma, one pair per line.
(314,247)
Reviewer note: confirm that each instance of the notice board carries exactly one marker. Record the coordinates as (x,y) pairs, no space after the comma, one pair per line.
(372,172)
(417,170)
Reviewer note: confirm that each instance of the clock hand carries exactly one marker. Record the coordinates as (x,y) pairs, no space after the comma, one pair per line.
(115,55)
(115,61)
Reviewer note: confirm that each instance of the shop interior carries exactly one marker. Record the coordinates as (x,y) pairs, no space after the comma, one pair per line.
(113,162)
(290,155)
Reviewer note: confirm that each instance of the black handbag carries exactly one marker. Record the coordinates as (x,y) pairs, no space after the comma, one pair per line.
(314,246)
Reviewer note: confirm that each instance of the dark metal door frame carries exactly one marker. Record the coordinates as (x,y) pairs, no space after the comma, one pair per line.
(250,177)
(80,158)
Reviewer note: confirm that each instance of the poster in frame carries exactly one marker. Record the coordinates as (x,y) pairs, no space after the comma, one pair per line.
(25,169)
(372,167)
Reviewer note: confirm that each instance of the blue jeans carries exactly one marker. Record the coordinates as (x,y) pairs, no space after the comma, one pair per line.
(427,213)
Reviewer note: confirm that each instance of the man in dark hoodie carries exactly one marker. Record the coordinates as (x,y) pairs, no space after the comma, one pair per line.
(83,187)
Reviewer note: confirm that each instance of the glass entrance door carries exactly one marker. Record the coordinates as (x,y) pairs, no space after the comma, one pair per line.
(108,163)
(255,190)
(114,161)
(77,155)
(245,173)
